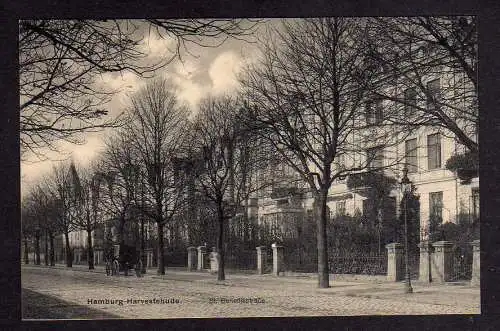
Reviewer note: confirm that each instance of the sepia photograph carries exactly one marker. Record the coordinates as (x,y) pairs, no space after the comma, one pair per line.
(250,167)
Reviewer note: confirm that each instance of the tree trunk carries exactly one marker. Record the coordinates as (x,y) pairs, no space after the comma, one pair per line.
(142,251)
(69,253)
(161,253)
(26,257)
(46,255)
(323,270)
(90,250)
(52,251)
(37,248)
(220,245)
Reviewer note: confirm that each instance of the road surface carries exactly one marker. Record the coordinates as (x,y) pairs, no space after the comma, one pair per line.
(52,292)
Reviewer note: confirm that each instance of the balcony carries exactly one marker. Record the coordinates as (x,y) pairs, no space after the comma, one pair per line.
(285,192)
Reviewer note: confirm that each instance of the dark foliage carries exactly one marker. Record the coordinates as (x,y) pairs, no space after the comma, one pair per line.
(465,165)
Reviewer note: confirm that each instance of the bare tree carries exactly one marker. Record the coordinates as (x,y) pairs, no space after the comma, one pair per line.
(40,208)
(51,228)
(62,190)
(156,128)
(228,159)
(90,211)
(308,103)
(60,60)
(27,225)
(35,214)
(120,174)
(432,63)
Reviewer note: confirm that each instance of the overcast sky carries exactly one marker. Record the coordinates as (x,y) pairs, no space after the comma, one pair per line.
(209,71)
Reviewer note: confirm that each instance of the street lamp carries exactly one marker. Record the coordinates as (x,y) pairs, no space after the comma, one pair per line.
(406,187)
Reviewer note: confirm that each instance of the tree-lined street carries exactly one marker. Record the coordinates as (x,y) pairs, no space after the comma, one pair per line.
(321,144)
(196,292)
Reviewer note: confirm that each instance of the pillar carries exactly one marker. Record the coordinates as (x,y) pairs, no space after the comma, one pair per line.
(201,256)
(214,262)
(98,256)
(278,254)
(192,261)
(476,263)
(261,259)
(395,262)
(424,269)
(76,256)
(442,260)
(149,257)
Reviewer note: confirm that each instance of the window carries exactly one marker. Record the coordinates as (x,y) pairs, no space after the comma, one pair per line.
(369,113)
(433,88)
(435,208)
(374,111)
(410,101)
(434,151)
(340,161)
(340,207)
(411,155)
(379,111)
(475,203)
(436,204)
(375,157)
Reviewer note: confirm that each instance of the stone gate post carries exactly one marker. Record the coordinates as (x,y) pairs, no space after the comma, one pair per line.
(214,261)
(442,261)
(278,255)
(192,261)
(476,263)
(425,270)
(98,253)
(201,257)
(149,257)
(395,271)
(261,259)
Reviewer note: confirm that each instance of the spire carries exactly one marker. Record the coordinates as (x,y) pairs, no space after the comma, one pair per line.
(75,180)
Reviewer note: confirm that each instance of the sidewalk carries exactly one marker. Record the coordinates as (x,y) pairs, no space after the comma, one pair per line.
(350,285)
(284,295)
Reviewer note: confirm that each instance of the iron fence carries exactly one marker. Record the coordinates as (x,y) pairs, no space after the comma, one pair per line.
(339,263)
(300,260)
(461,261)
(366,264)
(241,260)
(413,265)
(175,258)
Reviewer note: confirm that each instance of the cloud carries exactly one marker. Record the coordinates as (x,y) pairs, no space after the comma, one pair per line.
(212,72)
(223,71)
(184,75)
(186,68)
(156,46)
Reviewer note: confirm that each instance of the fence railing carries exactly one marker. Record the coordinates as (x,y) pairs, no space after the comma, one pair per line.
(300,260)
(366,264)
(241,260)
(461,262)
(177,258)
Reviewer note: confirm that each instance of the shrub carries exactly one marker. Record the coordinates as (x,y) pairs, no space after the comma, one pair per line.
(466,166)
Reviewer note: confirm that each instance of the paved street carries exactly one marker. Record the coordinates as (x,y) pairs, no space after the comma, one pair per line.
(57,292)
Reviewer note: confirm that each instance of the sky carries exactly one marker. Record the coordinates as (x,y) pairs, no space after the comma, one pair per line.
(208,71)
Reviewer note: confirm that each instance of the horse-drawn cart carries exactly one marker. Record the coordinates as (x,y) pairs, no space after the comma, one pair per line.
(128,258)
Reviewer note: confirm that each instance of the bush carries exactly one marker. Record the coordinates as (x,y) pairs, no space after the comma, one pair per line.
(463,232)
(466,166)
